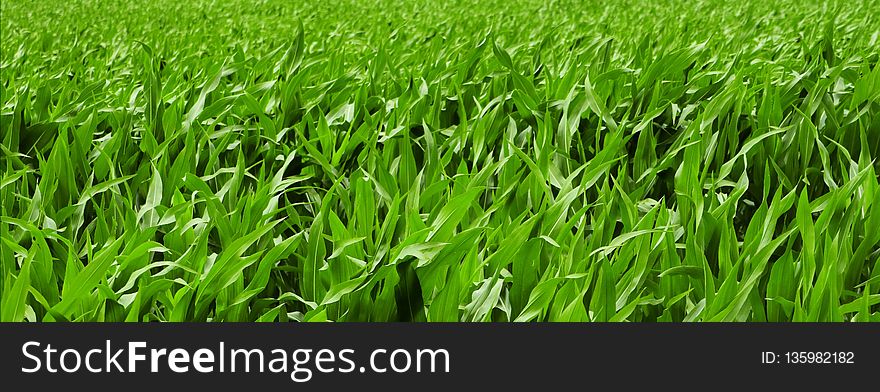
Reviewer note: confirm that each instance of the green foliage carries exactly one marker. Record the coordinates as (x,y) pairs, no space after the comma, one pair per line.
(377,160)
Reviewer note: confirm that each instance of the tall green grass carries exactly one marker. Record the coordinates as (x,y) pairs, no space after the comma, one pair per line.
(487,160)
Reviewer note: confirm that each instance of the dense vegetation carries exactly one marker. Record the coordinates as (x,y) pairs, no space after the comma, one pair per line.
(377,160)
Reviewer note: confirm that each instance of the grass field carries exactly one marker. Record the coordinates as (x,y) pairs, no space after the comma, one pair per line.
(487,160)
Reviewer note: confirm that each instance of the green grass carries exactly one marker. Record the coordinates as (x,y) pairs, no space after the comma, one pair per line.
(497,160)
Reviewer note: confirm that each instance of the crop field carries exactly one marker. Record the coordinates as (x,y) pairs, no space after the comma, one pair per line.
(488,160)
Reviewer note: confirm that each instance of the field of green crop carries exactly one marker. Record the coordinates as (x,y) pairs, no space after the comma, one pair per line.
(488,160)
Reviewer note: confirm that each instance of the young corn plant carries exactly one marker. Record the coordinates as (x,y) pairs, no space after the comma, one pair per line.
(377,160)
